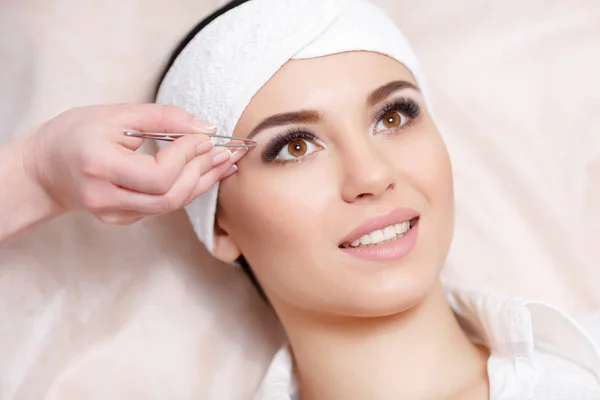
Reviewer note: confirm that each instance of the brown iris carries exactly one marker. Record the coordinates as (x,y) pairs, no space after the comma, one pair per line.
(297,148)
(392,120)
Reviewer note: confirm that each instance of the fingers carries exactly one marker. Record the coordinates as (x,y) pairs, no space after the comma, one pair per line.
(139,191)
(217,174)
(173,199)
(120,217)
(147,174)
(103,173)
(196,178)
(129,142)
(161,118)
(232,170)
(207,180)
(237,156)
(181,191)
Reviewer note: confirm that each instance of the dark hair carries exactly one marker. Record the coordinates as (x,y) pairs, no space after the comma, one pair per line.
(184,42)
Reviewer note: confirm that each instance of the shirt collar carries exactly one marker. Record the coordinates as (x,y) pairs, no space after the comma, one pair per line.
(514,327)
(511,328)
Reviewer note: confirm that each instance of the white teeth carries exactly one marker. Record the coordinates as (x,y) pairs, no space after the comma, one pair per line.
(377,236)
(365,240)
(389,232)
(382,235)
(402,228)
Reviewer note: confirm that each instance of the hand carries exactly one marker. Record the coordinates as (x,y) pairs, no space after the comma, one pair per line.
(83,161)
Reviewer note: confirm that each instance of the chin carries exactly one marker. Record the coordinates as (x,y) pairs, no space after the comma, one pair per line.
(392,295)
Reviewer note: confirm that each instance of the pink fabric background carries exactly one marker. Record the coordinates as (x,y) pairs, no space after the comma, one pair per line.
(96,312)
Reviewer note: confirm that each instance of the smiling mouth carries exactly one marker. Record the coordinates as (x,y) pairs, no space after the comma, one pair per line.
(382,236)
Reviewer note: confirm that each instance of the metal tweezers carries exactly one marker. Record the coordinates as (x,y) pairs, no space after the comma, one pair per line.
(171,137)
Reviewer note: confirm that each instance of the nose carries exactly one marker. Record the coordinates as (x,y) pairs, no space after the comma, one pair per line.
(367,171)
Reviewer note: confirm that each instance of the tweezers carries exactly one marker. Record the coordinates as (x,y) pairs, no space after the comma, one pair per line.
(171,137)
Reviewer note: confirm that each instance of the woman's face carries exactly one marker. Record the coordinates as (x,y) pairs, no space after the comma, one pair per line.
(351,150)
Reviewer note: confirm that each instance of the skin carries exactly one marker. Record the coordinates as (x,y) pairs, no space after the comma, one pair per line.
(353,325)
(80,160)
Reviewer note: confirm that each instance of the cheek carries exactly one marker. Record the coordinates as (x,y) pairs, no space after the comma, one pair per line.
(438,176)
(279,216)
(274,213)
(426,165)
(429,170)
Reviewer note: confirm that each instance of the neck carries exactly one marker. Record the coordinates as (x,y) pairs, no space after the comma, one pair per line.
(420,353)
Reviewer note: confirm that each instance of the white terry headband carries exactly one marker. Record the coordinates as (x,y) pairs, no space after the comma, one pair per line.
(221,69)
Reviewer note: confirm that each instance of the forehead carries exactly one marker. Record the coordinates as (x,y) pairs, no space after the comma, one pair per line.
(322,83)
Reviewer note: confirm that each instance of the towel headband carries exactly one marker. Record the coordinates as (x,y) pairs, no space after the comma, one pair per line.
(221,69)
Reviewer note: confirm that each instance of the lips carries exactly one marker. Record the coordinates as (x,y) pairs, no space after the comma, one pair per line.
(382,222)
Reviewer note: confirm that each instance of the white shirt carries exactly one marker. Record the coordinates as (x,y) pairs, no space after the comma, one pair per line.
(536,351)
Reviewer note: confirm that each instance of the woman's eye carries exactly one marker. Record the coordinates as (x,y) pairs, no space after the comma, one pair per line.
(391,120)
(296,149)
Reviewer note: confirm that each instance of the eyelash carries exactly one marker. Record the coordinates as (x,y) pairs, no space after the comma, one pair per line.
(283,139)
(404,105)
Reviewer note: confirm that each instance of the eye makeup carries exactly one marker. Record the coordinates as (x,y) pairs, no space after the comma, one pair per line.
(276,144)
(403,105)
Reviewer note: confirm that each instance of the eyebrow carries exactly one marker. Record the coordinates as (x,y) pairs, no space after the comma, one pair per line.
(314,116)
(383,92)
(296,117)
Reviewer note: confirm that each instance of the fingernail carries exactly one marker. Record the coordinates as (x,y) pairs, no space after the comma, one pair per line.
(230,172)
(221,158)
(204,147)
(237,156)
(204,126)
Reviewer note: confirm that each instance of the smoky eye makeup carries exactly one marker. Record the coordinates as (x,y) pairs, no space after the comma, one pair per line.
(286,138)
(396,114)
(403,105)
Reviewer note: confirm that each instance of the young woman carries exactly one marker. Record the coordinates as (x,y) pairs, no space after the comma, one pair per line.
(343,213)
